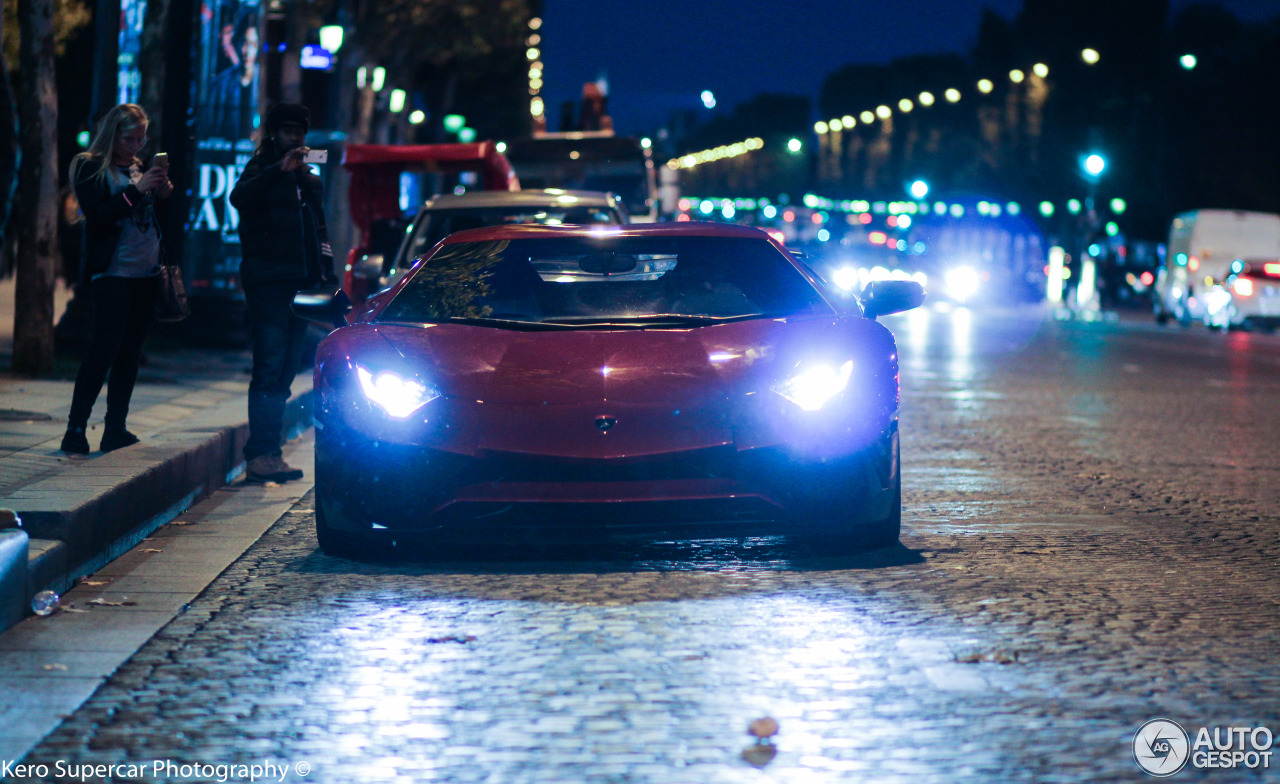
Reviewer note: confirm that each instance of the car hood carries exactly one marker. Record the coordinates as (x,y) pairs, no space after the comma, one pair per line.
(565,367)
(664,390)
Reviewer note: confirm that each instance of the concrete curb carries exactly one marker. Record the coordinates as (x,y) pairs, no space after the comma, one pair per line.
(13,576)
(81,520)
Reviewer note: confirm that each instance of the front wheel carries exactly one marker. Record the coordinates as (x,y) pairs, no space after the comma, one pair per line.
(340,544)
(846,521)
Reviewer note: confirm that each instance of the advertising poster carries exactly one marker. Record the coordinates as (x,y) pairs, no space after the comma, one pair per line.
(128,79)
(226,118)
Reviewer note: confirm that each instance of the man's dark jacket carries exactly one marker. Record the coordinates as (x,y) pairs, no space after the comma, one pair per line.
(282,230)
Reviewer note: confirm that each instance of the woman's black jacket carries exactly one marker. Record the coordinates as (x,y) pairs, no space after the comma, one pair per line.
(103,214)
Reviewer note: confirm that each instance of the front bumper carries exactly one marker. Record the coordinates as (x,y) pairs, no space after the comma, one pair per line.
(368,486)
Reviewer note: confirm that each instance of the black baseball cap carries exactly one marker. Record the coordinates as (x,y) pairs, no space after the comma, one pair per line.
(288,114)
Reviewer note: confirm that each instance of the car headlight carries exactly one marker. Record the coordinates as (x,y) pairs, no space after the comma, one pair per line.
(815,386)
(963,282)
(394,394)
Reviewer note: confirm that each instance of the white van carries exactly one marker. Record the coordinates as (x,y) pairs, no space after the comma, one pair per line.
(1223,268)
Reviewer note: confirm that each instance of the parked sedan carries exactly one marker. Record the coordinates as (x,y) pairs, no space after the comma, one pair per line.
(442,215)
(644,377)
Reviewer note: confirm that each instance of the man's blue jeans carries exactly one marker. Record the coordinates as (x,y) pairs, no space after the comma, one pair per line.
(278,341)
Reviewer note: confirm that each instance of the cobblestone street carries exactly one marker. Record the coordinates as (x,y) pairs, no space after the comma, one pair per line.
(1091,539)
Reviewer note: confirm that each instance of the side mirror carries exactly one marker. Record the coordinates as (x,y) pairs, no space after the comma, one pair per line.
(370,267)
(324,305)
(882,297)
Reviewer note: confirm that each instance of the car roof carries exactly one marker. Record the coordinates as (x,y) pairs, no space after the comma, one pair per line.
(533,197)
(673,229)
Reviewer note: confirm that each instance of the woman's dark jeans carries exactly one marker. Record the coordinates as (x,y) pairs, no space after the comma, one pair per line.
(123,311)
(279,338)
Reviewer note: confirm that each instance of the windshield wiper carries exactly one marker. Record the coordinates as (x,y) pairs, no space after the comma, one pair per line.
(651,320)
(485,322)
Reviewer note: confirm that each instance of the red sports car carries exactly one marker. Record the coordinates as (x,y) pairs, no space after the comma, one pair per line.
(645,376)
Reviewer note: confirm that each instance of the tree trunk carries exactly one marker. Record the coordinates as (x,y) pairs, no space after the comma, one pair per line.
(151,65)
(38,242)
(10,150)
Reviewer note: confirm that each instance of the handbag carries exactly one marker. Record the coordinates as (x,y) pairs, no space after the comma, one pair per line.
(171,301)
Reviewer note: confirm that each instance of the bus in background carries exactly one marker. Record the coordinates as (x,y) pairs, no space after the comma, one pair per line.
(592,161)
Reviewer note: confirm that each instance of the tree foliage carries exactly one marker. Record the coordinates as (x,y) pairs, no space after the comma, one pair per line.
(68,17)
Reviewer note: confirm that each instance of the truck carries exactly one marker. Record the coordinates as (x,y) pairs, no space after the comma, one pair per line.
(1221,267)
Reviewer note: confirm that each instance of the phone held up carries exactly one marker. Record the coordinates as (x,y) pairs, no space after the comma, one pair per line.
(316,156)
(160,159)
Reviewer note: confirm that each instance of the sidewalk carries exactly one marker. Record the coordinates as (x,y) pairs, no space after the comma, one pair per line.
(79,513)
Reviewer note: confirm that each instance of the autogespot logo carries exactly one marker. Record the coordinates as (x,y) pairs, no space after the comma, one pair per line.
(1161,747)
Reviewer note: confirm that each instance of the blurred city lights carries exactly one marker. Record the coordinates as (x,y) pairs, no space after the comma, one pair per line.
(1094,164)
(848,121)
(867,118)
(985,86)
(331,38)
(919,189)
(883,112)
(1040,69)
(536,107)
(1187,61)
(1016,76)
(926,99)
(1090,56)
(835,124)
(1073,206)
(379,78)
(952,94)
(708,99)
(820,127)
(500,146)
(905,105)
(794,145)
(1118,206)
(396,102)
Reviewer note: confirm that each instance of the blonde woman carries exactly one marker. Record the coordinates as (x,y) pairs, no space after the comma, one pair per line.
(121,267)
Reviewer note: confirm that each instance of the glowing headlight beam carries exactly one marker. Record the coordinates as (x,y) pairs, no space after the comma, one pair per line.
(397,396)
(815,386)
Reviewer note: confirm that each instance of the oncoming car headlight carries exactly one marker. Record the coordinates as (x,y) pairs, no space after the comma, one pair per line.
(963,282)
(394,394)
(815,386)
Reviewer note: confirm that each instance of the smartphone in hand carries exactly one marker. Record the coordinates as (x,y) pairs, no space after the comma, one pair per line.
(160,159)
(316,156)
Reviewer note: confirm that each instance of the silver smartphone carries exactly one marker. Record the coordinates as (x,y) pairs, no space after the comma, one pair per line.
(160,159)
(316,156)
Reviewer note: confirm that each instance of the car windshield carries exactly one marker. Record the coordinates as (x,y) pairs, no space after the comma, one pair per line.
(438,224)
(584,282)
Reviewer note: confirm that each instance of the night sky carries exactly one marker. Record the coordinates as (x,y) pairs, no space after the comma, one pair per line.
(661,54)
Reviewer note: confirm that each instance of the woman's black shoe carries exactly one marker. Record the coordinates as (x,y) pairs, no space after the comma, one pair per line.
(116,439)
(75,442)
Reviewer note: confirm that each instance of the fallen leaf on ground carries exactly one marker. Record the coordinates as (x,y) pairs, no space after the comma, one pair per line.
(760,754)
(109,603)
(998,656)
(151,550)
(58,667)
(765,727)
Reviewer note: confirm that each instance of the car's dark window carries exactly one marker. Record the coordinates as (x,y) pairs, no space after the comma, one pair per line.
(435,225)
(568,280)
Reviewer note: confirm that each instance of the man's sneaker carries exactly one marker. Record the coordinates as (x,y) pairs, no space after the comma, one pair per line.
(117,439)
(271,468)
(75,442)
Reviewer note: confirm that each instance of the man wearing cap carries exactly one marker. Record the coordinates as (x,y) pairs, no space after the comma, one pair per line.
(285,248)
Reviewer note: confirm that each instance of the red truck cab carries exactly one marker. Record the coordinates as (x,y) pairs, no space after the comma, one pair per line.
(374,194)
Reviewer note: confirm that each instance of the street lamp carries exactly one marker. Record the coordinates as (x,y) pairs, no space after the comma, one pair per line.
(919,189)
(1093,165)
